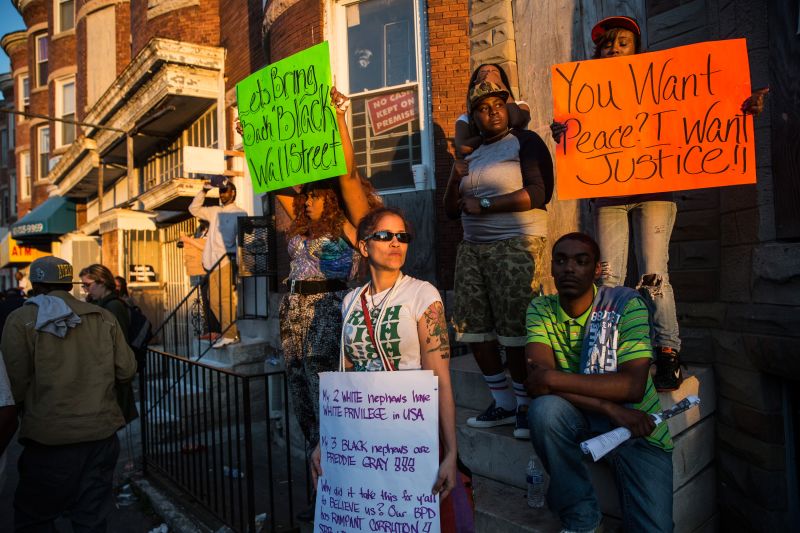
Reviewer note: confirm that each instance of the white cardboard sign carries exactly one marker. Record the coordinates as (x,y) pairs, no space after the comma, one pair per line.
(379,438)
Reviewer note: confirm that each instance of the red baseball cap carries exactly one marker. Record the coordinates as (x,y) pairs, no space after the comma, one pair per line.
(608,23)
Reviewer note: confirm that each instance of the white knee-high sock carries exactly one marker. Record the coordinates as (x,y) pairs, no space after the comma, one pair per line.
(501,392)
(521,395)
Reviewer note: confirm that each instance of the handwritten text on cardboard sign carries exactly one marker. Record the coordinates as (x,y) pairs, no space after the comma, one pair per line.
(654,122)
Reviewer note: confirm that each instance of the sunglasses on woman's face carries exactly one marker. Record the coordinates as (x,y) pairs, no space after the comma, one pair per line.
(386,236)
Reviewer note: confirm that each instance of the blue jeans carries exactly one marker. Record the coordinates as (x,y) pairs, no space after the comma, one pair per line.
(651,224)
(642,471)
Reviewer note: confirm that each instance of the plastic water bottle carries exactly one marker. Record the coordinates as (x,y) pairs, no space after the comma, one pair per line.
(535,477)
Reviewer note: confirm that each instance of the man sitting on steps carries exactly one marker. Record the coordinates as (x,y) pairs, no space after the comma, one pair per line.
(589,356)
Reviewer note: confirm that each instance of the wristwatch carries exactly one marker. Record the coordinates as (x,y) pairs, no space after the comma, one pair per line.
(485,203)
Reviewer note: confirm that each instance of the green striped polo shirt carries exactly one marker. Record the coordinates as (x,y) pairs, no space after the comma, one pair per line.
(549,324)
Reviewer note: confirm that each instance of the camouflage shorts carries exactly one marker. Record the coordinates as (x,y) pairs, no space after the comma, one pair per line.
(494,283)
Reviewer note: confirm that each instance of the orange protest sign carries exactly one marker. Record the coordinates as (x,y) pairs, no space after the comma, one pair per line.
(654,122)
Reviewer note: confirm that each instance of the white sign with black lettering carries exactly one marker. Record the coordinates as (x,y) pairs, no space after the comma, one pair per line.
(379,438)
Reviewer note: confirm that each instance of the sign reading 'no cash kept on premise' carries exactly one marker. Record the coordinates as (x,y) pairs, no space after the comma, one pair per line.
(654,122)
(289,128)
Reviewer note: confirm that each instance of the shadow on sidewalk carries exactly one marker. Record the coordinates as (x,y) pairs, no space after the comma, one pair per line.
(132,514)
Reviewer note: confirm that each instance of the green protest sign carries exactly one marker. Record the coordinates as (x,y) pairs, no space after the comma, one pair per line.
(289,127)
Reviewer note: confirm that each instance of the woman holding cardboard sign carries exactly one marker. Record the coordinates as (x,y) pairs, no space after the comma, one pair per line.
(323,258)
(407,316)
(651,216)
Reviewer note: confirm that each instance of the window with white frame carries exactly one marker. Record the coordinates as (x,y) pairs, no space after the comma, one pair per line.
(24,94)
(379,58)
(25,175)
(41,60)
(43,146)
(65,13)
(65,98)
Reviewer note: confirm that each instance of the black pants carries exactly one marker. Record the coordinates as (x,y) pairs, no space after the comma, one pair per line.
(72,480)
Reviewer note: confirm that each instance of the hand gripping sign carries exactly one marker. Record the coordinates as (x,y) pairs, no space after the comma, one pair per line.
(654,122)
(289,127)
(379,444)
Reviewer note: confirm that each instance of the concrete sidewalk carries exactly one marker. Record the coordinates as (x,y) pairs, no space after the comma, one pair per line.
(133,514)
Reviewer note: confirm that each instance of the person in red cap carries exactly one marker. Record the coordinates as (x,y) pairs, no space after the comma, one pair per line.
(651,217)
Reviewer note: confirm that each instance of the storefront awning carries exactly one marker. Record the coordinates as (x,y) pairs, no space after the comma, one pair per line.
(14,253)
(53,218)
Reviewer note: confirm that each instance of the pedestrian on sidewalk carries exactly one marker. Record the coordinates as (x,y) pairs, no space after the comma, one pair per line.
(499,192)
(8,418)
(65,359)
(219,252)
(101,289)
(588,356)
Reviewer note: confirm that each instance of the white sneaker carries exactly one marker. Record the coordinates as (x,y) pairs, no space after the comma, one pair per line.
(225,341)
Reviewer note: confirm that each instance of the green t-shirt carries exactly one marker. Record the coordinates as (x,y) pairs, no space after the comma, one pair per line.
(548,323)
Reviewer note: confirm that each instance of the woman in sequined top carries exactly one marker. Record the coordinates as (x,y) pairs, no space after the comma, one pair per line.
(323,258)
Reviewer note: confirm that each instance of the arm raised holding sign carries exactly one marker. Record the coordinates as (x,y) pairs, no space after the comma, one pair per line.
(355,195)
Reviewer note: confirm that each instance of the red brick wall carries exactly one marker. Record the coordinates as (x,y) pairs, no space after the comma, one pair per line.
(34,13)
(194,24)
(448,31)
(61,55)
(19,59)
(80,76)
(294,29)
(123,23)
(241,36)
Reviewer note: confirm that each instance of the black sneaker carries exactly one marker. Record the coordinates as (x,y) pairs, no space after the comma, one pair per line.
(521,430)
(493,416)
(668,370)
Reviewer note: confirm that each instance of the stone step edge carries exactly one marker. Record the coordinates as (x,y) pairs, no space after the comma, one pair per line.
(510,508)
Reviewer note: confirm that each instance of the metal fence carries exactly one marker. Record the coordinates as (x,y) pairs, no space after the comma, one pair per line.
(210,431)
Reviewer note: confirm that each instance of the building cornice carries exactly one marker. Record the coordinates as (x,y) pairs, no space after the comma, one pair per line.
(275,9)
(10,42)
(141,70)
(96,5)
(36,28)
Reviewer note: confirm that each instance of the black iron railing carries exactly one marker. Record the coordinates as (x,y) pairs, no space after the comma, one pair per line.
(213,434)
(237,287)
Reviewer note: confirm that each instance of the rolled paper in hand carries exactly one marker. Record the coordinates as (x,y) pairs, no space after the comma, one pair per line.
(602,444)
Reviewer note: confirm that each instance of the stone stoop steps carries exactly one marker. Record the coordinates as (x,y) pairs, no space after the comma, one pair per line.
(498,460)
(188,394)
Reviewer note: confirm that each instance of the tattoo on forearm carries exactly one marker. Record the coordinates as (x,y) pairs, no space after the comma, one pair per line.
(438,341)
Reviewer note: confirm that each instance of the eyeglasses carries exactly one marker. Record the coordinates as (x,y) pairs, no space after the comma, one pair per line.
(87,285)
(386,236)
